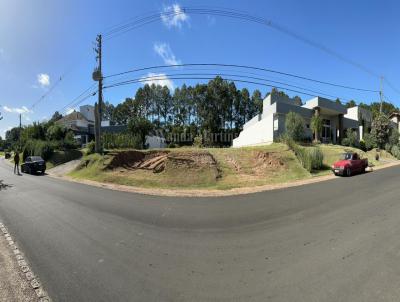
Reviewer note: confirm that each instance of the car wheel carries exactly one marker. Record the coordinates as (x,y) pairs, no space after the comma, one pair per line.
(29,170)
(348,172)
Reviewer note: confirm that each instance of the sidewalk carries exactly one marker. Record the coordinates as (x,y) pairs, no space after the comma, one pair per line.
(13,284)
(17,281)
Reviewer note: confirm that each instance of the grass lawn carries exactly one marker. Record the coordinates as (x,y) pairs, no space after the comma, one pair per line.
(235,168)
(240,167)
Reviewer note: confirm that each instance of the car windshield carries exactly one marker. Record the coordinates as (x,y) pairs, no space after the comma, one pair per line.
(36,158)
(347,156)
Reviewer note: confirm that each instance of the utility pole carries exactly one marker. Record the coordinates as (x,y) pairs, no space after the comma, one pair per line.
(98,76)
(381,93)
(20,131)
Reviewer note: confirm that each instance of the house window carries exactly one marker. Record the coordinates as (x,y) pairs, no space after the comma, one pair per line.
(276,123)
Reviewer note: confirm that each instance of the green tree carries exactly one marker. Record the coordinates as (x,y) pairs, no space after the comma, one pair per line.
(394,137)
(381,129)
(294,124)
(56,132)
(257,101)
(140,127)
(55,117)
(350,104)
(316,126)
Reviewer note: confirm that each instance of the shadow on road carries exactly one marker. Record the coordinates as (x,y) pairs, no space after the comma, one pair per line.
(4,186)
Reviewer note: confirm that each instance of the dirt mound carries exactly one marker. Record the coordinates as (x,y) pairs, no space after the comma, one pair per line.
(267,161)
(149,160)
(158,161)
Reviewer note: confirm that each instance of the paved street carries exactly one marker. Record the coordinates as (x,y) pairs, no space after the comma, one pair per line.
(332,241)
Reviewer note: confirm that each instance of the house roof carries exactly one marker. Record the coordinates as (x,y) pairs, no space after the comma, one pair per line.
(396,113)
(72,117)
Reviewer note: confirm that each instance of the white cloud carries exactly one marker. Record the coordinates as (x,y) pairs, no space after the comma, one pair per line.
(165,52)
(174,16)
(158,79)
(21,110)
(43,79)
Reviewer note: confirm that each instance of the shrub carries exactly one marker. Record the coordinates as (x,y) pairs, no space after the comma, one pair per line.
(370,141)
(350,139)
(294,125)
(388,147)
(394,137)
(395,151)
(362,145)
(40,148)
(91,147)
(121,141)
(310,158)
(198,141)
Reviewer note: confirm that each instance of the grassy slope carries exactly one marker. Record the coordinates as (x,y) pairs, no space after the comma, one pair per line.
(248,175)
(229,159)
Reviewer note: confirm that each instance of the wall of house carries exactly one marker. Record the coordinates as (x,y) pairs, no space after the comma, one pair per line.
(257,134)
(155,142)
(87,111)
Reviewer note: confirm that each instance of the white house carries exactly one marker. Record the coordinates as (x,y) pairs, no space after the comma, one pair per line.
(267,127)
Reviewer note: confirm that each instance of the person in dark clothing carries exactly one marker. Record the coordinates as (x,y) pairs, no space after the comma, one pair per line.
(16,162)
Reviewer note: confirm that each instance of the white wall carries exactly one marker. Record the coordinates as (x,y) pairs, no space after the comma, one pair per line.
(257,134)
(155,142)
(87,111)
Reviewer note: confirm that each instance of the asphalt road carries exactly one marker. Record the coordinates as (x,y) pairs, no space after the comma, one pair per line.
(332,241)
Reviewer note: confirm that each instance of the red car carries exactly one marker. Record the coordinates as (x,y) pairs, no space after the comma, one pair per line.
(350,164)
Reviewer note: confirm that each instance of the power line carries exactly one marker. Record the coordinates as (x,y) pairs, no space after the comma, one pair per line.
(225,75)
(236,14)
(243,67)
(158,78)
(78,98)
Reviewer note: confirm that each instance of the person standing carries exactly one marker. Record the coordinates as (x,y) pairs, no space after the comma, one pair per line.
(16,162)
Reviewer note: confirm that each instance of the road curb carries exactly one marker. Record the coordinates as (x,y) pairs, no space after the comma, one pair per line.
(210,193)
(24,266)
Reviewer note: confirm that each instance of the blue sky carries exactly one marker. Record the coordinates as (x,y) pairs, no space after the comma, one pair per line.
(43,39)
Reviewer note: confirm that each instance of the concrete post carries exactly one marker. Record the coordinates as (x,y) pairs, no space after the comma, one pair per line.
(317,112)
(340,128)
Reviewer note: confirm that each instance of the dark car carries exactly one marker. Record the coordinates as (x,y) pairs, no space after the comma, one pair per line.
(33,165)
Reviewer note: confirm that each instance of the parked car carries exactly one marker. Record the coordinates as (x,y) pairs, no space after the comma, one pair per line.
(33,165)
(350,164)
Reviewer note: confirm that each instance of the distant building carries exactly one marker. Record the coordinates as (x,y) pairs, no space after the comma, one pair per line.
(267,127)
(81,123)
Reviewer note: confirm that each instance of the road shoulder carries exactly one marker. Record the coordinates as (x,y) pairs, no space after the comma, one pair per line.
(17,282)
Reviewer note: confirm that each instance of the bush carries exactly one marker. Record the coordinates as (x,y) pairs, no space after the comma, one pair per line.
(395,151)
(370,141)
(362,145)
(388,147)
(40,148)
(350,139)
(294,125)
(91,147)
(121,141)
(394,137)
(310,158)
(198,141)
